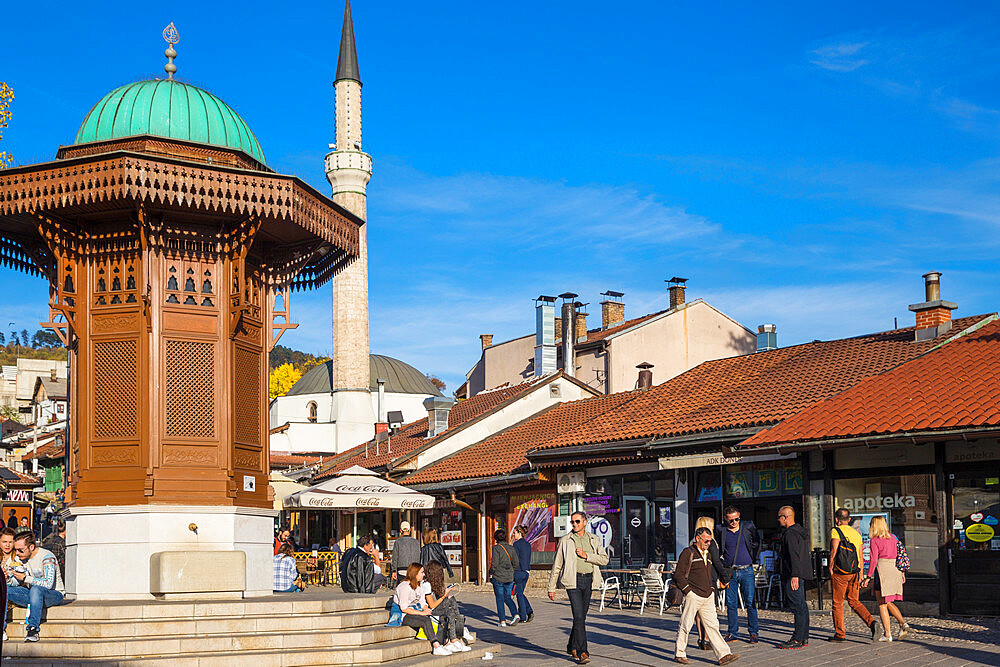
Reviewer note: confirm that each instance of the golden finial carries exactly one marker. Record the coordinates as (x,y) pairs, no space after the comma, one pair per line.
(171,37)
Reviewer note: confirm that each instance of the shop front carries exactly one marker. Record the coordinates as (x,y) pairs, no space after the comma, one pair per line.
(897,483)
(972,482)
(755,485)
(632,513)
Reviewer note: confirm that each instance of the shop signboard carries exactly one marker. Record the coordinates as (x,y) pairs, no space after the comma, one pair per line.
(760,479)
(451,538)
(536,511)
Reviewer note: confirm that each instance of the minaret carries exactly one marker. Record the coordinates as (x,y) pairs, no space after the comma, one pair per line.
(349,169)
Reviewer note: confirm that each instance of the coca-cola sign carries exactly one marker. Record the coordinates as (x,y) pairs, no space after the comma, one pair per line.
(368,502)
(358,488)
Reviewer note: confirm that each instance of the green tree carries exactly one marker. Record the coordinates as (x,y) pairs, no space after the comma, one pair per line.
(8,412)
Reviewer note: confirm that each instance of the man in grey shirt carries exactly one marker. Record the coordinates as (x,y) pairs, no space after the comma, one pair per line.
(405,550)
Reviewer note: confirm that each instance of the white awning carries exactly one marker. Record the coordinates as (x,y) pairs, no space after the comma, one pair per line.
(358,488)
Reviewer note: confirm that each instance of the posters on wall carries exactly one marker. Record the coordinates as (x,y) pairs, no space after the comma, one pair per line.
(536,511)
(763,478)
(861,523)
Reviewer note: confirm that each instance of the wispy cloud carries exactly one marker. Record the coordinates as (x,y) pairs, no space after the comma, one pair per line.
(839,57)
(529,212)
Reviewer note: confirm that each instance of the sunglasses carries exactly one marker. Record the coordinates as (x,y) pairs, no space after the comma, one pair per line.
(576,521)
(733,520)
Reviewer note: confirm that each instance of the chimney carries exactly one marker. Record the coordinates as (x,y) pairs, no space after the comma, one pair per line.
(568,331)
(581,324)
(676,287)
(545,335)
(645,381)
(767,337)
(558,328)
(486,340)
(612,309)
(52,374)
(933,315)
(437,408)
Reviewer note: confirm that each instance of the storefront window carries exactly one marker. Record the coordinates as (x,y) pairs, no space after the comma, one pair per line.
(907,504)
(976,505)
(602,503)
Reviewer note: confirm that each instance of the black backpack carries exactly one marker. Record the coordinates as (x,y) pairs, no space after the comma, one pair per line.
(846,561)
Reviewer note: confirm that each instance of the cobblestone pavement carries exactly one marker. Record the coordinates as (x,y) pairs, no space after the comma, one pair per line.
(626,638)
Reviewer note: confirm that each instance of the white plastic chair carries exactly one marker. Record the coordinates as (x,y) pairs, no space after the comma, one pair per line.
(611,584)
(652,583)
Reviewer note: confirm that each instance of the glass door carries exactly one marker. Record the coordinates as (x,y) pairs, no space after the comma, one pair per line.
(974,550)
(636,531)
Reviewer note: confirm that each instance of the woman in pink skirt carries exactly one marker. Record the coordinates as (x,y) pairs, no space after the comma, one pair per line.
(888,579)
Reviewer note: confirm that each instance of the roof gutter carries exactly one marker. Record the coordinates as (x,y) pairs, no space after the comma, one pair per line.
(867,440)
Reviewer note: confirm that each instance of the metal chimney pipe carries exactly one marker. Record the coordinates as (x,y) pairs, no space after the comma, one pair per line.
(381,400)
(645,381)
(932,286)
(569,333)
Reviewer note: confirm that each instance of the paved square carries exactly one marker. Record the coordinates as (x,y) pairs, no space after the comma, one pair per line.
(626,638)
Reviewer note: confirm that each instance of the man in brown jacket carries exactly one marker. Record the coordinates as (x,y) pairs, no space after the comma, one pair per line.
(695,578)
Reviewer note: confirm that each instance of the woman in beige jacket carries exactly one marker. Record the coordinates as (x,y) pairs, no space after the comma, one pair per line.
(577,569)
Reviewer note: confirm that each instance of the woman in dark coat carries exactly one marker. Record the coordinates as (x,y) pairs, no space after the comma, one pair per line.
(433,551)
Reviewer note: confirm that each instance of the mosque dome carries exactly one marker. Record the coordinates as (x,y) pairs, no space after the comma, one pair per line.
(399,376)
(171,109)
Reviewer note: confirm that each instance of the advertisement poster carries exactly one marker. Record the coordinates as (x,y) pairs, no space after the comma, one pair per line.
(663,515)
(451,538)
(709,486)
(454,556)
(861,523)
(536,511)
(739,484)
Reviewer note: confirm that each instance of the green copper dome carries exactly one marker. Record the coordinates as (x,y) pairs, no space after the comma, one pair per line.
(167,108)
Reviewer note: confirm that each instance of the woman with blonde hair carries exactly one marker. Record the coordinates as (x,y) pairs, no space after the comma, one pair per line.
(432,551)
(888,578)
(721,573)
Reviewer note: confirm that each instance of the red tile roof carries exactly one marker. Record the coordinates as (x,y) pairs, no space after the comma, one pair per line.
(504,452)
(756,389)
(23,478)
(413,435)
(956,385)
(600,334)
(289,460)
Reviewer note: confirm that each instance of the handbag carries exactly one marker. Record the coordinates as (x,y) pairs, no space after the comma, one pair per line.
(902,558)
(674,595)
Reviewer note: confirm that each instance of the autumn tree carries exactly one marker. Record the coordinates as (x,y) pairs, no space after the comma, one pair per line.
(281,379)
(436,381)
(6,95)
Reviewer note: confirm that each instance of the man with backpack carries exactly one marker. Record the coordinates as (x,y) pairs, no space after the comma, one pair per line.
(845,574)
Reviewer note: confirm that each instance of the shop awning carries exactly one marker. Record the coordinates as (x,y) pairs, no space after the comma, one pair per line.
(283,487)
(358,488)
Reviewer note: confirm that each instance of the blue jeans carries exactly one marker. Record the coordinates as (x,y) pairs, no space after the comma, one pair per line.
(35,599)
(503,592)
(742,581)
(523,606)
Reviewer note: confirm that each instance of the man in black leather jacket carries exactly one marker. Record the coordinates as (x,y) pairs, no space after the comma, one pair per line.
(357,568)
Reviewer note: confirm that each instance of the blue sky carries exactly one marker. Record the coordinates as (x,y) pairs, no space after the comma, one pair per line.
(799,165)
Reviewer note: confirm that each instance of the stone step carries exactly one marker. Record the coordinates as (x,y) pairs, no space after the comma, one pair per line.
(280,604)
(403,652)
(176,644)
(207,625)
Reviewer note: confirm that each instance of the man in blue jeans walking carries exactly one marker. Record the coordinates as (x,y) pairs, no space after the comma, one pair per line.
(740,545)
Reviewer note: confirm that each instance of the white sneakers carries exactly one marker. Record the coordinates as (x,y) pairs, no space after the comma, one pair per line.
(903,631)
(467,636)
(441,650)
(458,647)
(885,638)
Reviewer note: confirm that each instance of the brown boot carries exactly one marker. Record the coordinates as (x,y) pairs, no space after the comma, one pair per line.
(683,661)
(726,659)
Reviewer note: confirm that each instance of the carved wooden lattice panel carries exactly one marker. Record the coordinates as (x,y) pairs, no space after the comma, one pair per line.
(246,390)
(115,390)
(190,389)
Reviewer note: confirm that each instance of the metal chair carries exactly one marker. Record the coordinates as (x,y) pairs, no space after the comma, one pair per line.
(652,583)
(765,578)
(611,584)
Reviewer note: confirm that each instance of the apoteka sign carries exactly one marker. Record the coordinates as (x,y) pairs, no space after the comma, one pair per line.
(895,501)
